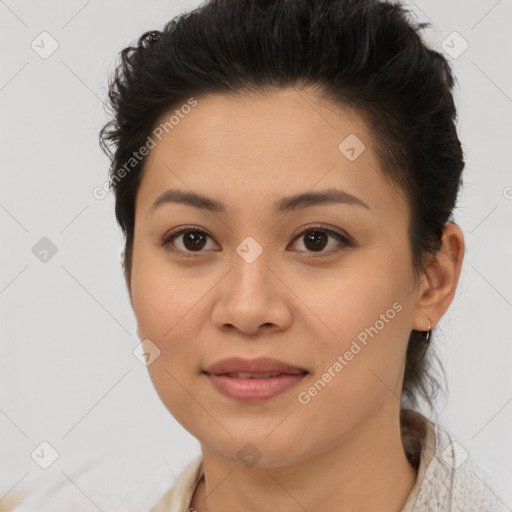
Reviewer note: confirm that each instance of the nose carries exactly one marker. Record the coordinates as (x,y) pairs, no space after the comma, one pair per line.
(250,298)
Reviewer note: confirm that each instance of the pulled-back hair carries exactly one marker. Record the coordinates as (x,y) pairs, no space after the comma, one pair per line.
(363,54)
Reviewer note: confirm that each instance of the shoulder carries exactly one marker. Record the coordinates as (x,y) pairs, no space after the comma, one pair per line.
(454,482)
(179,496)
(118,481)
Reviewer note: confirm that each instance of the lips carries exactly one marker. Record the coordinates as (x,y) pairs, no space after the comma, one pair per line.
(249,375)
(263,367)
(253,380)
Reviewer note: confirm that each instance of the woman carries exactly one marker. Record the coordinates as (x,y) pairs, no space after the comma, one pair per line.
(290,247)
(285,175)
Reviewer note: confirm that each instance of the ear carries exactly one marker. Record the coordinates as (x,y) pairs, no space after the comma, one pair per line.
(439,283)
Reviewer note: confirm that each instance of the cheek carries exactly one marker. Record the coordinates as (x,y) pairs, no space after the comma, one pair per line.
(360,298)
(368,313)
(169,318)
(361,368)
(165,298)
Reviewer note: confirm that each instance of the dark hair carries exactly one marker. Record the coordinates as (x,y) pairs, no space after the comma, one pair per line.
(364,54)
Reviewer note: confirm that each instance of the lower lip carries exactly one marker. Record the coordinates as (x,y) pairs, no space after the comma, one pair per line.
(253,390)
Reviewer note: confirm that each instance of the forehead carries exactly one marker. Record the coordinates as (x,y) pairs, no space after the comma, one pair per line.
(251,148)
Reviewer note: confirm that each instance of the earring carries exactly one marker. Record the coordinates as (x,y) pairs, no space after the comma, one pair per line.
(428,333)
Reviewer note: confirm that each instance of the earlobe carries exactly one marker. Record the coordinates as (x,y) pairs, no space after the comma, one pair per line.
(442,275)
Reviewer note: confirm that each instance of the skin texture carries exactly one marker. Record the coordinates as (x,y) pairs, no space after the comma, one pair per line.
(342,450)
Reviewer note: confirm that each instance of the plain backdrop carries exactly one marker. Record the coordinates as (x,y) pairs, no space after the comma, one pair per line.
(68,373)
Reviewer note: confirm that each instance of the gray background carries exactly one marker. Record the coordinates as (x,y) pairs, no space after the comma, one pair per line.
(67,369)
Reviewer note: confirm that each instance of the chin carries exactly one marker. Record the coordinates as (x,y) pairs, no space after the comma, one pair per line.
(257,449)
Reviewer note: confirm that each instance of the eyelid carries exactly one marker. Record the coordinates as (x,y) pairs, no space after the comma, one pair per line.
(324,227)
(343,239)
(167,239)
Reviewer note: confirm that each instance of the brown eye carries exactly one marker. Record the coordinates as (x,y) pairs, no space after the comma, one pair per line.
(193,240)
(187,240)
(317,239)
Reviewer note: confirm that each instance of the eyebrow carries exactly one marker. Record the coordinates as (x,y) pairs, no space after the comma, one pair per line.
(285,204)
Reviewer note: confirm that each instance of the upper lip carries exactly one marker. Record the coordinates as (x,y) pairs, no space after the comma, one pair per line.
(259,365)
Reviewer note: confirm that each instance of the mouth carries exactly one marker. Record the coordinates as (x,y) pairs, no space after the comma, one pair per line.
(249,375)
(253,380)
(262,367)
(254,386)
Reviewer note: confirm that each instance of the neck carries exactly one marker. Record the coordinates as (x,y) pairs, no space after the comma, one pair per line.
(367,470)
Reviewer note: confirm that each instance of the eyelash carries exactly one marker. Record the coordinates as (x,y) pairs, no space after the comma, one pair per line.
(168,239)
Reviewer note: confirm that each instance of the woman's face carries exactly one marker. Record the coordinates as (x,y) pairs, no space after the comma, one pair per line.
(263,281)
